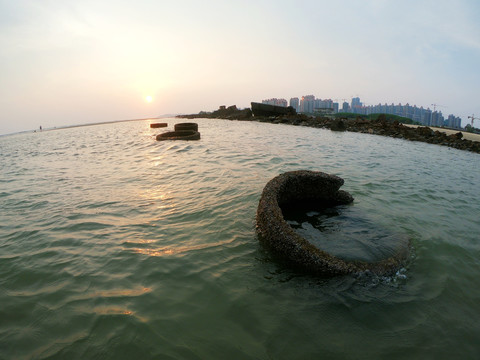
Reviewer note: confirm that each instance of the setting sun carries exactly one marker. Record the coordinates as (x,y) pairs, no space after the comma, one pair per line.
(149,98)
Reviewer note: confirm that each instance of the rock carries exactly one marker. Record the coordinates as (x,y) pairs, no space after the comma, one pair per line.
(186,126)
(323,190)
(425,131)
(158,125)
(338,125)
(179,135)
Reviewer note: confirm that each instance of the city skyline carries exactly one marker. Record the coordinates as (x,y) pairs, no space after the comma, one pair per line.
(425,116)
(71,62)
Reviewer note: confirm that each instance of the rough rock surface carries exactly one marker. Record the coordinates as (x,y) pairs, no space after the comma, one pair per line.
(279,236)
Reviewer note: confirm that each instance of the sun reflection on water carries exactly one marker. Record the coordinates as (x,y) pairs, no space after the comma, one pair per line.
(161,196)
(180,250)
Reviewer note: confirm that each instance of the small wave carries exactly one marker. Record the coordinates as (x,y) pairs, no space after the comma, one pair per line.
(22,235)
(173,249)
(83,226)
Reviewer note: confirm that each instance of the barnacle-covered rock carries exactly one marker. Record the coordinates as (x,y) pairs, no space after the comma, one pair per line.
(179,135)
(322,189)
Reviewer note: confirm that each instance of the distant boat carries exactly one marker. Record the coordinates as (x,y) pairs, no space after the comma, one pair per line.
(260,109)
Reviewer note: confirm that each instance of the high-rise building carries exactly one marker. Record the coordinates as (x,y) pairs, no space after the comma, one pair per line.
(437,119)
(416,115)
(427,121)
(295,103)
(307,104)
(357,106)
(453,122)
(335,107)
(356,102)
(323,104)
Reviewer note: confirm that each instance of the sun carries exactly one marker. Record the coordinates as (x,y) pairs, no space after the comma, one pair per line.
(149,98)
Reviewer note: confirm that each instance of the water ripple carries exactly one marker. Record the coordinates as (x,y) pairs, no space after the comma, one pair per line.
(114,245)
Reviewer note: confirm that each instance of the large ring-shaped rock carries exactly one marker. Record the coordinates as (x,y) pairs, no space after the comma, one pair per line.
(179,135)
(278,235)
(186,126)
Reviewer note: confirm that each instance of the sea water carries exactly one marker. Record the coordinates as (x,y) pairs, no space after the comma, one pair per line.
(116,246)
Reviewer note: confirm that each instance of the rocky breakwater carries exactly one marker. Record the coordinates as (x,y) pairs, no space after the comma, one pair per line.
(420,133)
(379,126)
(223,112)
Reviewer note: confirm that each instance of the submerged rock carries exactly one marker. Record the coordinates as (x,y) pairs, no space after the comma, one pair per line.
(158,125)
(186,126)
(179,135)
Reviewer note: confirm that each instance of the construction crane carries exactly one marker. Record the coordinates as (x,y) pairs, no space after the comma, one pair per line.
(473,118)
(435,106)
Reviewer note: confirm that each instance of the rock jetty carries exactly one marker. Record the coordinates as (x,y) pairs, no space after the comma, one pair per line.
(223,112)
(380,126)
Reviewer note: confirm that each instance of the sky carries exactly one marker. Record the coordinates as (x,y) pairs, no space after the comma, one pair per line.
(65,62)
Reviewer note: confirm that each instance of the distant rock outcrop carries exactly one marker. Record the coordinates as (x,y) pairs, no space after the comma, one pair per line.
(223,112)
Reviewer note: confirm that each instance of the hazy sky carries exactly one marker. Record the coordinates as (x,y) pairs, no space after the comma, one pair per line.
(69,62)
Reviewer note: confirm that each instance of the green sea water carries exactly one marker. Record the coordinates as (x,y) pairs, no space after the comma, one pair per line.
(116,246)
